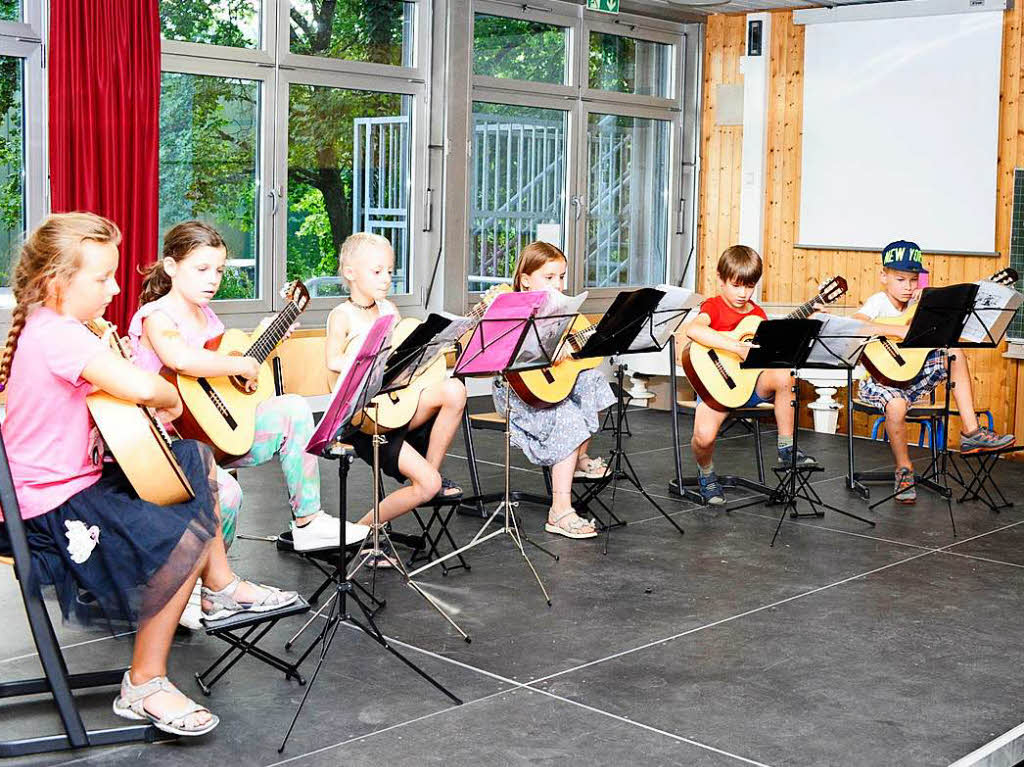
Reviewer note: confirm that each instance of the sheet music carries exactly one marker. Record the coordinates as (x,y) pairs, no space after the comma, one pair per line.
(552,320)
(993,310)
(672,309)
(840,341)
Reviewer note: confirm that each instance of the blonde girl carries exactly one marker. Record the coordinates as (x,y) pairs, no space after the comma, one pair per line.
(559,436)
(87,528)
(415,452)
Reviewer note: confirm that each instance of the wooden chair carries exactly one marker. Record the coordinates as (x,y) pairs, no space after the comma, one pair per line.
(57,681)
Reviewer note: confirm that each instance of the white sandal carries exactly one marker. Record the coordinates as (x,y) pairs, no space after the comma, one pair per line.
(592,468)
(130,704)
(224,605)
(574,527)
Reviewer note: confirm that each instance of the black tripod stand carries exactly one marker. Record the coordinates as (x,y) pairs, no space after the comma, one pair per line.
(638,321)
(789,344)
(361,382)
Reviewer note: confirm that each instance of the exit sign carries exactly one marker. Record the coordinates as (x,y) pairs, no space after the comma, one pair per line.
(604,6)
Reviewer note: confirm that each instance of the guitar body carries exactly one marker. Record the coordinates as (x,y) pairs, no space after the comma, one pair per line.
(396,409)
(716,375)
(136,439)
(145,459)
(895,366)
(546,387)
(892,364)
(218,411)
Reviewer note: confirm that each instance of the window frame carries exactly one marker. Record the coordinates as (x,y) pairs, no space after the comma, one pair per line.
(637,111)
(580,101)
(417,163)
(244,71)
(277,68)
(27,40)
(636,28)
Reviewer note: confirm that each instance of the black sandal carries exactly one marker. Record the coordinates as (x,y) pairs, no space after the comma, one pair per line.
(447,484)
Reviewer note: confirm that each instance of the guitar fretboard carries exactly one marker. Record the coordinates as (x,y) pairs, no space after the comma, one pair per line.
(274,332)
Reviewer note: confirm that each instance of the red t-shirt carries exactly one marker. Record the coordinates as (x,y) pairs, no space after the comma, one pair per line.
(723,317)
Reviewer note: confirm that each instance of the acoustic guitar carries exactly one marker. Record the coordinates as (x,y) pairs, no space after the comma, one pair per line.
(137,439)
(395,409)
(716,375)
(546,387)
(895,365)
(220,411)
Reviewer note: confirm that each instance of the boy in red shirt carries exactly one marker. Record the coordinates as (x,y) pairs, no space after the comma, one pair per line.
(739,270)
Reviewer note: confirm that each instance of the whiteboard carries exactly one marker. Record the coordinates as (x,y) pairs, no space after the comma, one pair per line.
(900,132)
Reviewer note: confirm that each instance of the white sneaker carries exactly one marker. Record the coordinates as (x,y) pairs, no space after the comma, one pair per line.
(323,532)
(192,617)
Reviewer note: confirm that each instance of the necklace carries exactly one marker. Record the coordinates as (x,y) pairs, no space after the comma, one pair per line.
(360,306)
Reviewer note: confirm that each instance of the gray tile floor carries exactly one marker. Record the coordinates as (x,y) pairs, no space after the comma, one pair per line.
(842,645)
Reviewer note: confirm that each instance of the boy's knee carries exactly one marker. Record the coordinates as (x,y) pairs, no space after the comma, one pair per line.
(896,408)
(703,438)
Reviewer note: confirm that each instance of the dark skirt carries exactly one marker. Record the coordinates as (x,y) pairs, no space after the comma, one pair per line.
(109,554)
(417,438)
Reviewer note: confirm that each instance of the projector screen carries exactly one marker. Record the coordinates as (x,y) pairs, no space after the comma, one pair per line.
(900,132)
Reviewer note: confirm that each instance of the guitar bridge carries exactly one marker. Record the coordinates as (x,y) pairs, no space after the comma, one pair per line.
(891,348)
(713,356)
(218,403)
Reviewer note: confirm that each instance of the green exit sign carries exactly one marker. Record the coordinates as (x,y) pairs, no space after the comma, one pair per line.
(604,6)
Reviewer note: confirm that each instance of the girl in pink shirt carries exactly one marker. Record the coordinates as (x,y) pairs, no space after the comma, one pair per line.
(87,528)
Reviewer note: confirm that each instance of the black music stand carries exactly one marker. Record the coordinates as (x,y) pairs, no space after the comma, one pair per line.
(788,344)
(939,322)
(355,389)
(638,321)
(511,337)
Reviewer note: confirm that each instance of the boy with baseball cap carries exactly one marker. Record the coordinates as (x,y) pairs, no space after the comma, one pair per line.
(901,270)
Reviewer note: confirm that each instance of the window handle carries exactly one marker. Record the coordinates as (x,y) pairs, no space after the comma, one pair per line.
(577,204)
(276,194)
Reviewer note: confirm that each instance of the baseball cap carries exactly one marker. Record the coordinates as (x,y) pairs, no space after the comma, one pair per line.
(903,256)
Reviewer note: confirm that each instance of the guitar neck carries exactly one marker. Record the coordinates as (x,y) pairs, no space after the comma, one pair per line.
(275,331)
(805,310)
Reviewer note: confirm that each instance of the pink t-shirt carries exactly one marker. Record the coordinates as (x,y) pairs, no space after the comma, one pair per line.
(193,336)
(52,444)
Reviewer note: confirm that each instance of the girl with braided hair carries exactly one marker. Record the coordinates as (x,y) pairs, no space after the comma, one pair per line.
(87,528)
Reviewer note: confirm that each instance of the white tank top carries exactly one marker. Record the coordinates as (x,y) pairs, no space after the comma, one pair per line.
(360,320)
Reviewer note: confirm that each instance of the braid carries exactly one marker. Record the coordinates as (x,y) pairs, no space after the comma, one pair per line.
(18,317)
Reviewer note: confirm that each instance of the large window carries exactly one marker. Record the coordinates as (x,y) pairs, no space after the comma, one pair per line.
(348,171)
(12,162)
(627,218)
(209,166)
(573,135)
(289,125)
(518,178)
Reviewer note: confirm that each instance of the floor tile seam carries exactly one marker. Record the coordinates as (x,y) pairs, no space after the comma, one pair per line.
(71,646)
(389,728)
(981,535)
(516,685)
(649,728)
(732,618)
(982,559)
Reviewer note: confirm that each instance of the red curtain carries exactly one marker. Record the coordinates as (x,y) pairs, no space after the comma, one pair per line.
(104,125)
